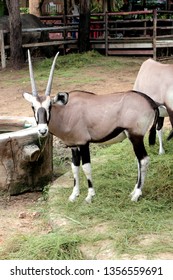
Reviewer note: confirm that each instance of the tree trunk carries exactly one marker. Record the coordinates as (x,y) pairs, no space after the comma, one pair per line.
(109,5)
(16,53)
(84,26)
(40,6)
(35,7)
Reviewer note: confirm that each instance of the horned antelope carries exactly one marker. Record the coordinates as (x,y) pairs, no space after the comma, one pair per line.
(79,118)
(156,80)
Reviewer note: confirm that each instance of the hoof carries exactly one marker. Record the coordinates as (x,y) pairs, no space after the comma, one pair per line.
(72,197)
(162,152)
(135,195)
(88,200)
(90,195)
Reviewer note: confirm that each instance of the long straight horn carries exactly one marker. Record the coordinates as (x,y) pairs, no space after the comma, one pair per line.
(33,86)
(49,84)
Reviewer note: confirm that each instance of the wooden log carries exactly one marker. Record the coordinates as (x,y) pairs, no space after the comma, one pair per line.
(31,153)
(50,43)
(106,34)
(154,34)
(25,161)
(2,50)
(15,123)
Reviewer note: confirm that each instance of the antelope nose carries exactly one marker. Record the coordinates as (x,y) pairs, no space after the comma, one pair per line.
(42,131)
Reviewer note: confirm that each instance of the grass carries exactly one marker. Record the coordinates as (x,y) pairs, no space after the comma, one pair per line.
(71,67)
(90,59)
(47,247)
(114,175)
(112,216)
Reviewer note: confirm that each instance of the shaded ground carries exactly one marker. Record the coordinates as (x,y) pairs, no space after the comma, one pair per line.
(18,214)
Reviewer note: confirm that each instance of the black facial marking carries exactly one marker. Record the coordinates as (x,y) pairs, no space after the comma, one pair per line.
(50,107)
(41,115)
(33,109)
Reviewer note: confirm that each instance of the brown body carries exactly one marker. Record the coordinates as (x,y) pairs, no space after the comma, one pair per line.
(96,118)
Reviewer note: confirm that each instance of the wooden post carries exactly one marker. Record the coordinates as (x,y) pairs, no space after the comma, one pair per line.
(2,49)
(84,26)
(106,33)
(154,34)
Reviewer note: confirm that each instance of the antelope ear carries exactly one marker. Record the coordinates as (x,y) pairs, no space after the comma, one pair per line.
(28,97)
(61,98)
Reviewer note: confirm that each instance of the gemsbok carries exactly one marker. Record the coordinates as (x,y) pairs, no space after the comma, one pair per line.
(79,118)
(156,80)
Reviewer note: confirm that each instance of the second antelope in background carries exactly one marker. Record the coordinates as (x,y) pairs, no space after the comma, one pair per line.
(79,118)
(156,80)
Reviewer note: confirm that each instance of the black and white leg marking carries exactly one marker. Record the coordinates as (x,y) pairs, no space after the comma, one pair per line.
(77,154)
(143,161)
(159,133)
(75,165)
(86,166)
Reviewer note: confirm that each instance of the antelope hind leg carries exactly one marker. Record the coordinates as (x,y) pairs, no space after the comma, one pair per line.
(143,161)
(75,170)
(142,168)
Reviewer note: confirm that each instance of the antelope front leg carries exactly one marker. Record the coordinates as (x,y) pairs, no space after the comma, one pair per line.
(86,166)
(75,170)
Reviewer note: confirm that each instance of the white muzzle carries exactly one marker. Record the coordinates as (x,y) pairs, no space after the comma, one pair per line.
(42,130)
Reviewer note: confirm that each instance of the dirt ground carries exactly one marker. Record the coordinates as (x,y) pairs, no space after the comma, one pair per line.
(17,214)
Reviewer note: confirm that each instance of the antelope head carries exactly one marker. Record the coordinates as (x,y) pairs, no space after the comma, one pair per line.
(41,105)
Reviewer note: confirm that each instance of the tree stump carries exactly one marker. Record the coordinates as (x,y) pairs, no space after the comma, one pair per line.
(25,159)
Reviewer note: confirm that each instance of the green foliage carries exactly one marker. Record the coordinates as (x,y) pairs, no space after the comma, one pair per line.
(71,61)
(24,10)
(96,7)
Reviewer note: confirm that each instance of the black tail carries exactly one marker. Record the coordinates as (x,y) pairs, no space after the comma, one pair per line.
(170,135)
(152,132)
(160,123)
(154,105)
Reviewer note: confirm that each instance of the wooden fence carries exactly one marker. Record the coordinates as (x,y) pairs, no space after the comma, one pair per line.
(121,33)
(137,33)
